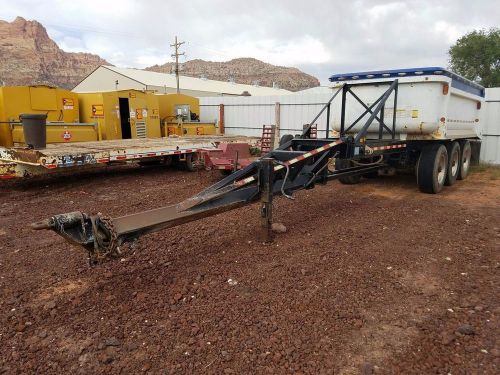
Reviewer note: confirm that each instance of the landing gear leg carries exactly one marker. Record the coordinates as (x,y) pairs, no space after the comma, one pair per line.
(266,187)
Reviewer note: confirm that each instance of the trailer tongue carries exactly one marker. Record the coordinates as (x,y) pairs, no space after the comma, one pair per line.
(102,236)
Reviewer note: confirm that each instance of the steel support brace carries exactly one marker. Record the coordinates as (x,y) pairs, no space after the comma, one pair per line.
(266,182)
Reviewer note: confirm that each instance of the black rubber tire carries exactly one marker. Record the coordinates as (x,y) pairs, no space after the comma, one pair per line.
(346,180)
(432,168)
(453,149)
(168,160)
(371,175)
(191,162)
(285,138)
(465,160)
(149,163)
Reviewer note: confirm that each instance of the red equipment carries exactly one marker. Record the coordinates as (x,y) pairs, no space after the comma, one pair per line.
(228,157)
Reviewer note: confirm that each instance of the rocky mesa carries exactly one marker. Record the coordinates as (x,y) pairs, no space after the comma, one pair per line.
(28,56)
(244,70)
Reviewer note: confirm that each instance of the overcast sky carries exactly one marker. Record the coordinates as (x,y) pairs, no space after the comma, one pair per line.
(319,37)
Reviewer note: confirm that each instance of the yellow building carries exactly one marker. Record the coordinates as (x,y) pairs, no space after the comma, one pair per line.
(122,114)
(179,116)
(61,107)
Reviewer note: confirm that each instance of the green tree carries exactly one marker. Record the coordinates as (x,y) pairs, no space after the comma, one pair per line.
(476,56)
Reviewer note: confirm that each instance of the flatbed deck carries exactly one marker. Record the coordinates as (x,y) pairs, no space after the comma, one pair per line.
(22,162)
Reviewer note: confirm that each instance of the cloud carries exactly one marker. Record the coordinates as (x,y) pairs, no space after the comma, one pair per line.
(320,37)
(280,52)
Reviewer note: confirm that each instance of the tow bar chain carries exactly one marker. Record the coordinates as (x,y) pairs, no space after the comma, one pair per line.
(105,240)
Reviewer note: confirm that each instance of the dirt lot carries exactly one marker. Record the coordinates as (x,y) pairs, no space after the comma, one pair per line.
(375,278)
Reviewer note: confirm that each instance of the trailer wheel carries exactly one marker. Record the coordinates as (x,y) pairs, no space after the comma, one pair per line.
(346,180)
(285,138)
(191,162)
(149,163)
(432,168)
(453,163)
(465,158)
(168,160)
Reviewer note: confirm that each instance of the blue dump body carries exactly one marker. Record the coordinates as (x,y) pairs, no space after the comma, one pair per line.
(457,81)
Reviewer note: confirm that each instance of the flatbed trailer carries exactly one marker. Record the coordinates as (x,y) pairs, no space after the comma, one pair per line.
(369,139)
(25,162)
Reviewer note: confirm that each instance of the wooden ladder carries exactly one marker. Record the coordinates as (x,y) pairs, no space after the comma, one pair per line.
(268,137)
(314,131)
(313,134)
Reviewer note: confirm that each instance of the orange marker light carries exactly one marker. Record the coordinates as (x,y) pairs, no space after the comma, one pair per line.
(446,88)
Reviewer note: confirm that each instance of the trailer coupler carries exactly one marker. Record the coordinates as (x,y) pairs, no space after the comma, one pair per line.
(94,232)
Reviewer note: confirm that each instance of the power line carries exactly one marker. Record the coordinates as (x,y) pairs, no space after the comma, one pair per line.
(92,30)
(118,33)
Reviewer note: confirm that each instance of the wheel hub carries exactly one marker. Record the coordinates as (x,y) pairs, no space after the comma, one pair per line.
(442,169)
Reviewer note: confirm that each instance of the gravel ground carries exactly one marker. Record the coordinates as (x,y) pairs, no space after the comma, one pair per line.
(372,278)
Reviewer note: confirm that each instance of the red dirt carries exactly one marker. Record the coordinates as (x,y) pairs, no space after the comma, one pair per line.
(372,278)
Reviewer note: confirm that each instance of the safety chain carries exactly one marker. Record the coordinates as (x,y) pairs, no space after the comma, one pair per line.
(105,240)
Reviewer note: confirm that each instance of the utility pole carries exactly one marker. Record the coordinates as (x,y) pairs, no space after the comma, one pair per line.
(176,46)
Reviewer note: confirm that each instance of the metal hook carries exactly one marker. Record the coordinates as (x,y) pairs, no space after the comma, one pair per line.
(287,167)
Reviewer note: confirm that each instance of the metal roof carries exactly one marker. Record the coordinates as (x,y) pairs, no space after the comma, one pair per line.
(149,78)
(457,81)
(315,90)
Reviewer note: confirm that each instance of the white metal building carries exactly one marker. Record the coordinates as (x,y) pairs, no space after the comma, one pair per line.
(110,78)
(490,148)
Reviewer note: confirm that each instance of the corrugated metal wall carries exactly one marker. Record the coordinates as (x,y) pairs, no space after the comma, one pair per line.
(490,148)
(246,115)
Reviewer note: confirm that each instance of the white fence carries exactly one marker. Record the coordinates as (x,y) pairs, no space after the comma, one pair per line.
(246,115)
(490,148)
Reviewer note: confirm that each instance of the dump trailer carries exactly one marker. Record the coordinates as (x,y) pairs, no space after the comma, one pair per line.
(424,120)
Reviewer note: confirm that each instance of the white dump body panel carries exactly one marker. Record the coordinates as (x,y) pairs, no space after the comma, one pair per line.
(490,148)
(426,109)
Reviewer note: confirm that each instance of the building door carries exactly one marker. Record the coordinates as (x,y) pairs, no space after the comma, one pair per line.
(125,118)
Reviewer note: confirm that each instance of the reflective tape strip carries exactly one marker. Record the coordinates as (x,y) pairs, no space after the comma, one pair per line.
(308,154)
(390,147)
(153,154)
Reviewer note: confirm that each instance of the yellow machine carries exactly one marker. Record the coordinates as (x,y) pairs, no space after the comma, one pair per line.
(61,107)
(123,114)
(179,116)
